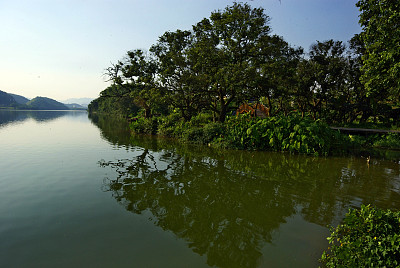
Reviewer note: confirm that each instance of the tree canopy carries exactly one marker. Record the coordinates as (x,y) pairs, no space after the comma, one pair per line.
(380,20)
(232,58)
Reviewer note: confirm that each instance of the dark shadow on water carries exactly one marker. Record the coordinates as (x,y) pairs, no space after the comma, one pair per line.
(113,130)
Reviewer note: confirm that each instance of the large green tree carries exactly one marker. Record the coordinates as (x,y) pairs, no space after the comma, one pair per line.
(176,73)
(231,58)
(276,66)
(380,20)
(328,82)
(329,66)
(115,99)
(140,74)
(321,78)
(361,102)
(135,78)
(225,47)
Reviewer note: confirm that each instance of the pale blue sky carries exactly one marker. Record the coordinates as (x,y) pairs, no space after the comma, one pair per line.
(60,48)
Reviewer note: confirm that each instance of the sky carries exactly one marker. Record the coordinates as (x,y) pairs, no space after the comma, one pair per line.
(60,48)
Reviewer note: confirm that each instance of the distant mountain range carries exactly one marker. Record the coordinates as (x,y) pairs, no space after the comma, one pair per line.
(43,103)
(81,101)
(75,106)
(19,99)
(8,100)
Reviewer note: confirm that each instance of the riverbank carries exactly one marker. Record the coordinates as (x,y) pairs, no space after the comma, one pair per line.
(280,133)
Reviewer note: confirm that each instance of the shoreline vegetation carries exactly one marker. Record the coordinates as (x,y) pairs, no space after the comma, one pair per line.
(290,133)
(191,83)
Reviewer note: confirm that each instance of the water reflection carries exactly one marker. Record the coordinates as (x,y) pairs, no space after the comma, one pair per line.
(113,130)
(18,116)
(228,204)
(221,212)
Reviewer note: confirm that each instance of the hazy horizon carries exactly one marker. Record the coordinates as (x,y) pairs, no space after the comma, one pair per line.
(71,100)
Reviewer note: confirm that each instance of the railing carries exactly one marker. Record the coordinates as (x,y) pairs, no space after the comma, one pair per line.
(364,130)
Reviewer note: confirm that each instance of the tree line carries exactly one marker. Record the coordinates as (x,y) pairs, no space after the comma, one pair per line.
(232,58)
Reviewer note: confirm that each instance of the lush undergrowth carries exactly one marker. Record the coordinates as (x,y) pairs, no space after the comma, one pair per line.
(391,140)
(280,133)
(386,141)
(368,237)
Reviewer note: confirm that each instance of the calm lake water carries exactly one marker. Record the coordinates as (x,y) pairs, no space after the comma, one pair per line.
(80,192)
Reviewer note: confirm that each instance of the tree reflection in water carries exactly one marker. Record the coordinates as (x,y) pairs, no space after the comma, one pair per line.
(223,213)
(228,205)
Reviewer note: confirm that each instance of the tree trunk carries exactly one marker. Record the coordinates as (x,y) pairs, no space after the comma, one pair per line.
(147,112)
(269,104)
(222,113)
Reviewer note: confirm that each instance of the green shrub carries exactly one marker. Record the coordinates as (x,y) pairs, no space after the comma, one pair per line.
(202,135)
(283,133)
(193,134)
(179,129)
(201,119)
(168,124)
(213,131)
(391,140)
(200,129)
(144,125)
(280,133)
(137,125)
(368,237)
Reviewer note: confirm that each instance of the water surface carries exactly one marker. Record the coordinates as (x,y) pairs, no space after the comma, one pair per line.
(82,192)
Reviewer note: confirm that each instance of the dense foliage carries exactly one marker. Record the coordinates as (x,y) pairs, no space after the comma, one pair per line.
(279,133)
(368,237)
(284,133)
(191,81)
(232,58)
(114,101)
(380,20)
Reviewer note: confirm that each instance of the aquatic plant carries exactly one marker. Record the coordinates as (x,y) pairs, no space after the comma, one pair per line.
(284,133)
(368,237)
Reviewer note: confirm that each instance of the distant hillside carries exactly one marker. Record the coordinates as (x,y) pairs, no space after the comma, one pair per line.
(14,101)
(6,100)
(81,101)
(75,106)
(43,103)
(19,99)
